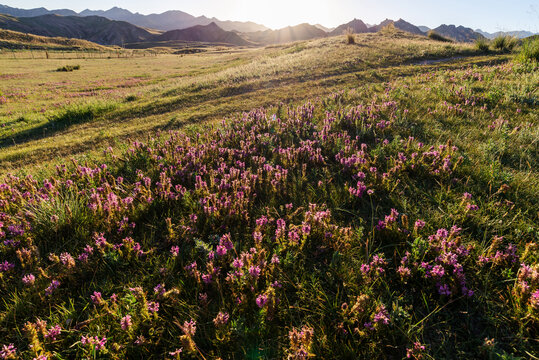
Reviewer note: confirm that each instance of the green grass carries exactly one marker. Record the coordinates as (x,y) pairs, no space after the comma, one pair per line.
(190,87)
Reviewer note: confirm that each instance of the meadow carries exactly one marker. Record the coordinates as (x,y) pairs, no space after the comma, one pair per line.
(309,200)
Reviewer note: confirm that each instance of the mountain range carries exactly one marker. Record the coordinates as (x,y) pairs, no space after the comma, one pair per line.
(517,34)
(520,34)
(92,28)
(287,34)
(356,26)
(458,33)
(169,20)
(399,24)
(204,33)
(118,26)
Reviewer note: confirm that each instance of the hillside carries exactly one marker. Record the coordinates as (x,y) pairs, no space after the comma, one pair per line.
(459,33)
(315,200)
(16,40)
(93,28)
(357,26)
(209,33)
(287,34)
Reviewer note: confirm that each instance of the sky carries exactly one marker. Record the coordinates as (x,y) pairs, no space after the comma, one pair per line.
(488,15)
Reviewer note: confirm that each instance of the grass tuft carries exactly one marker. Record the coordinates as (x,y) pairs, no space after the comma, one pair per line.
(504,43)
(529,50)
(350,37)
(68,68)
(482,45)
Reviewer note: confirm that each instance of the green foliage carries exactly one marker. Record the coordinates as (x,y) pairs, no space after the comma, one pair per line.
(529,50)
(68,68)
(482,44)
(80,113)
(504,43)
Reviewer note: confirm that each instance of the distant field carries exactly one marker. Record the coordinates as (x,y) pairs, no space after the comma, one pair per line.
(133,95)
(377,200)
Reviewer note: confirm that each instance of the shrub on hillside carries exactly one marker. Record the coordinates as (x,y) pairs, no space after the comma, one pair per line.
(68,68)
(529,50)
(350,37)
(482,44)
(433,35)
(504,43)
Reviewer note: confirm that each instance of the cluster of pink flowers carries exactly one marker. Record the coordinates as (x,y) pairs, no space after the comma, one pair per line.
(94,342)
(8,352)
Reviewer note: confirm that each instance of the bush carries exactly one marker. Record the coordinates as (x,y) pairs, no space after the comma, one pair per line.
(68,68)
(504,43)
(437,37)
(350,37)
(482,44)
(529,50)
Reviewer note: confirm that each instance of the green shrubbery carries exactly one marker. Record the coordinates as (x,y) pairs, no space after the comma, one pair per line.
(482,44)
(529,50)
(68,68)
(504,43)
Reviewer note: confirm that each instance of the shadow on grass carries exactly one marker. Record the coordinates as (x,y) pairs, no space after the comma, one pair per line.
(60,121)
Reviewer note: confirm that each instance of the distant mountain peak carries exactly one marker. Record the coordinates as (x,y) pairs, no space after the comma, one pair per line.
(357,26)
(459,33)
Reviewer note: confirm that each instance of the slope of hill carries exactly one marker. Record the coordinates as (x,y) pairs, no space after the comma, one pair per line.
(93,28)
(357,26)
(460,33)
(17,40)
(204,33)
(287,34)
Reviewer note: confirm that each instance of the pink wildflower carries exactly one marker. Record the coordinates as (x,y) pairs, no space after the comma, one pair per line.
(126,322)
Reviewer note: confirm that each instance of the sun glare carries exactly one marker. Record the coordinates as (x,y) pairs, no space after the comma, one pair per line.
(280,13)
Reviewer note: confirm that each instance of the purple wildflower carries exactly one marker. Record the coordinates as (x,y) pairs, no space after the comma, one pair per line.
(126,323)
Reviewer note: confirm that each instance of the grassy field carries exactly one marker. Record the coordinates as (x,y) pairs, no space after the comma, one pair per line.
(134,95)
(375,200)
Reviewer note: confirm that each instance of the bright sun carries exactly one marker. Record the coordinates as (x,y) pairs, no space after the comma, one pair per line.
(281,13)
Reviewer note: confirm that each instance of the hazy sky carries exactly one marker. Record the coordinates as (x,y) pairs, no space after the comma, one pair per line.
(489,15)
